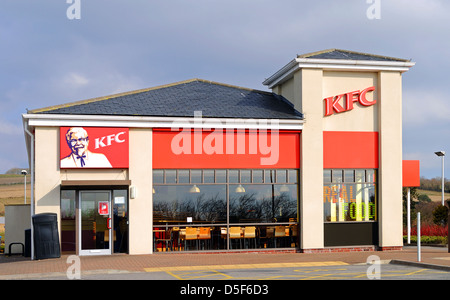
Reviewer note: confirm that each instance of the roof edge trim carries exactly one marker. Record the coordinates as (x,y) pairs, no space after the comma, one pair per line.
(288,70)
(60,120)
(308,55)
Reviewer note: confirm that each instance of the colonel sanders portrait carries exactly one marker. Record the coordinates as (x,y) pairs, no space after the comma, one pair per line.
(80,157)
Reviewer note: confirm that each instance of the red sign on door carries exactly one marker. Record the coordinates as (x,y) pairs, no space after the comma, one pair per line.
(103,208)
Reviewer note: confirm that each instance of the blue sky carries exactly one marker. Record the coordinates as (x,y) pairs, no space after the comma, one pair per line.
(117,45)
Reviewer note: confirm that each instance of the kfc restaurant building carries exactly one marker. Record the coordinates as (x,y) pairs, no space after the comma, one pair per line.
(314,165)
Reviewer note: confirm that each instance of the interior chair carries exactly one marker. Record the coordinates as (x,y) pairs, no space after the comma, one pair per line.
(235,233)
(280,234)
(204,235)
(191,235)
(250,233)
(166,239)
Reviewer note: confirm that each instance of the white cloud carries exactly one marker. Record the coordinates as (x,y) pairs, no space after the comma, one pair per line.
(422,106)
(75,80)
(418,8)
(97,82)
(7,128)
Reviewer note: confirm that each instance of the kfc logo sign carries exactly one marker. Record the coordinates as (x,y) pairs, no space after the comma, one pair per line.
(117,138)
(93,147)
(335,105)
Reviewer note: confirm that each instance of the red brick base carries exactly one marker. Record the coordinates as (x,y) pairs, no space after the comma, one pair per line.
(293,250)
(394,248)
(351,249)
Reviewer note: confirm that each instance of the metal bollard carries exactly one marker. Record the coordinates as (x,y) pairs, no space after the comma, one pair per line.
(448,227)
(418,237)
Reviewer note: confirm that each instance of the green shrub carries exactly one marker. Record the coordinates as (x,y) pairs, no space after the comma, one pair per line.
(425,239)
(424,198)
(440,215)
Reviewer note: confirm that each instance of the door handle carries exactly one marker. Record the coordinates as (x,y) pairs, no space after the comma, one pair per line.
(108,223)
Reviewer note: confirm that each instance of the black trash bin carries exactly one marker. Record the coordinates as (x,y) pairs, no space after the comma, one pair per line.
(45,236)
(27,243)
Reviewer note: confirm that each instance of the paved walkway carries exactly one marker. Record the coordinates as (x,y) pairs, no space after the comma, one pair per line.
(17,267)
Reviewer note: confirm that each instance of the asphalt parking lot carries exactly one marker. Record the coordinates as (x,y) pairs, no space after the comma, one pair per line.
(388,265)
(331,271)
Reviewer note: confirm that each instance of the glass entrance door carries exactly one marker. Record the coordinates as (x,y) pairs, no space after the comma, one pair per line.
(95,234)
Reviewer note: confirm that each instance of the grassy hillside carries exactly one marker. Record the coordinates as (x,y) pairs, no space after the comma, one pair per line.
(12,191)
(434,195)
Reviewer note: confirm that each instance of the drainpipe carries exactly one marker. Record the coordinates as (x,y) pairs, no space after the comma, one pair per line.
(31,163)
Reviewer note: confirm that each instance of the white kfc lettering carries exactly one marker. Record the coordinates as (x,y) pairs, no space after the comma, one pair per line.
(100,142)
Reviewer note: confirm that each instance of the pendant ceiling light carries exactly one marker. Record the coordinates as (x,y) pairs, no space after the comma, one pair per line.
(240,189)
(194,189)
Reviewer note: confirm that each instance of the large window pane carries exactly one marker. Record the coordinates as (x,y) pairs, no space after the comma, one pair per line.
(179,204)
(262,203)
(350,201)
(225,209)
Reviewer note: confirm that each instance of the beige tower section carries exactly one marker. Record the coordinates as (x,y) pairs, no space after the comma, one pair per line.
(307,84)
(306,81)
(390,161)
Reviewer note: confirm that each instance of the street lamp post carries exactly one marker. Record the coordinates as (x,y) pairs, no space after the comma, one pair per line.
(24,172)
(442,154)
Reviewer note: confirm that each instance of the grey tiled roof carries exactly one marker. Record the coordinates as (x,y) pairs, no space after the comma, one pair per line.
(182,99)
(348,55)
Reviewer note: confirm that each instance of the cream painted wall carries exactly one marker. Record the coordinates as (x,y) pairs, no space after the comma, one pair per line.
(360,118)
(47,174)
(93,174)
(390,175)
(141,208)
(308,86)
